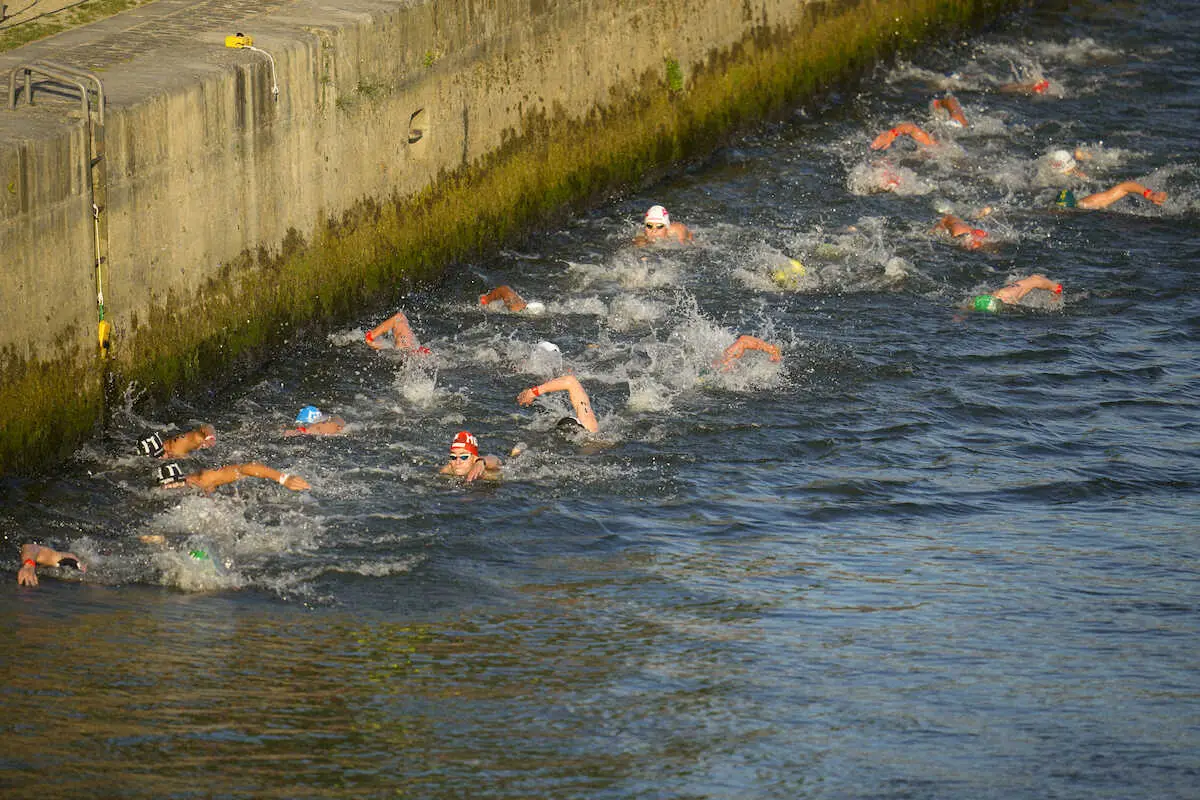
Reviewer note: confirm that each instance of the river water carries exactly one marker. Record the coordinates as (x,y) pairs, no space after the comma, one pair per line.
(929,554)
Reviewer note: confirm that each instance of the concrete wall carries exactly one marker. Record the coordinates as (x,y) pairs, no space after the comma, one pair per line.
(206,169)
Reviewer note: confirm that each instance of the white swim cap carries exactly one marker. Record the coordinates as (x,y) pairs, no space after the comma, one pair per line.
(548,347)
(534,307)
(1061,161)
(656,215)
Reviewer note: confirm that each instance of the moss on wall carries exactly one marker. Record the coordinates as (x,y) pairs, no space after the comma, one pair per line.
(378,246)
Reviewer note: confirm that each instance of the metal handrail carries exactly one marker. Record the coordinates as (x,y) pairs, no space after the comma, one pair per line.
(62,73)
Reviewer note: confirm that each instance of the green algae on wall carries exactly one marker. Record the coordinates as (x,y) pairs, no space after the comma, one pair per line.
(380,246)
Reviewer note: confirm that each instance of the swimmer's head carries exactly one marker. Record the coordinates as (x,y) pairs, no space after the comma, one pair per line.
(570,426)
(309,415)
(1061,161)
(986,303)
(656,218)
(464,442)
(464,451)
(548,347)
(535,308)
(1065,199)
(170,476)
(152,446)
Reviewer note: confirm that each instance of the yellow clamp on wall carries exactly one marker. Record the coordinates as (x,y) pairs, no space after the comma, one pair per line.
(104,334)
(239,40)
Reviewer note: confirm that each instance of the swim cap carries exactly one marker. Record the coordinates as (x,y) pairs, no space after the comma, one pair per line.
(1061,161)
(548,347)
(463,440)
(657,214)
(1065,199)
(152,446)
(308,415)
(985,302)
(534,307)
(570,424)
(169,474)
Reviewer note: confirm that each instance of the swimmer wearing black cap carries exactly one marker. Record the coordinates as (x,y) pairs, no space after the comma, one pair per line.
(584,417)
(38,555)
(179,446)
(171,476)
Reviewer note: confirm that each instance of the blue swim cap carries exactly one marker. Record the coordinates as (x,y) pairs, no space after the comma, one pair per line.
(308,415)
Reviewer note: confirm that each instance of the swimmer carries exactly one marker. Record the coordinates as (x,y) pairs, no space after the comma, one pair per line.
(950,108)
(512,301)
(579,400)
(1033,87)
(170,476)
(312,422)
(657,226)
(179,446)
(884,140)
(1066,198)
(961,233)
(1012,293)
(37,555)
(1064,163)
(402,335)
(465,461)
(736,350)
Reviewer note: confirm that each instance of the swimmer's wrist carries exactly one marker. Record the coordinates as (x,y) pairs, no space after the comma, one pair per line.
(536,391)
(283,478)
(29,562)
(370,336)
(1147,194)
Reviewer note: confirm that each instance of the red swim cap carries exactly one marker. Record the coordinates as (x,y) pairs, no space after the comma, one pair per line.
(464,440)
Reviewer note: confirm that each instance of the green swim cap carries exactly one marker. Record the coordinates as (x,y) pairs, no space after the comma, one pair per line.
(1065,199)
(985,302)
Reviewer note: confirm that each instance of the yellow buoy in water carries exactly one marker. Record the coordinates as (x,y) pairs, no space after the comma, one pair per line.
(789,277)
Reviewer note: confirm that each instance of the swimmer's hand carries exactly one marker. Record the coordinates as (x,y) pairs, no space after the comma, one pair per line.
(45,557)
(518,448)
(1158,198)
(295,483)
(525,398)
(477,470)
(27,575)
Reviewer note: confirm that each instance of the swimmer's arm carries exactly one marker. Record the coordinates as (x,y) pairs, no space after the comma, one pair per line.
(1016,290)
(884,140)
(482,465)
(327,427)
(512,300)
(401,332)
(41,556)
(682,232)
(180,446)
(951,105)
(210,479)
(739,347)
(1028,87)
(579,398)
(952,225)
(1109,196)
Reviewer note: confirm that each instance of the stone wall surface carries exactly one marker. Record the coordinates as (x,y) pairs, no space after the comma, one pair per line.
(231,211)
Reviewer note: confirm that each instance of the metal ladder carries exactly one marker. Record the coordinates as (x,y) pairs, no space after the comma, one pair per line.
(95,165)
